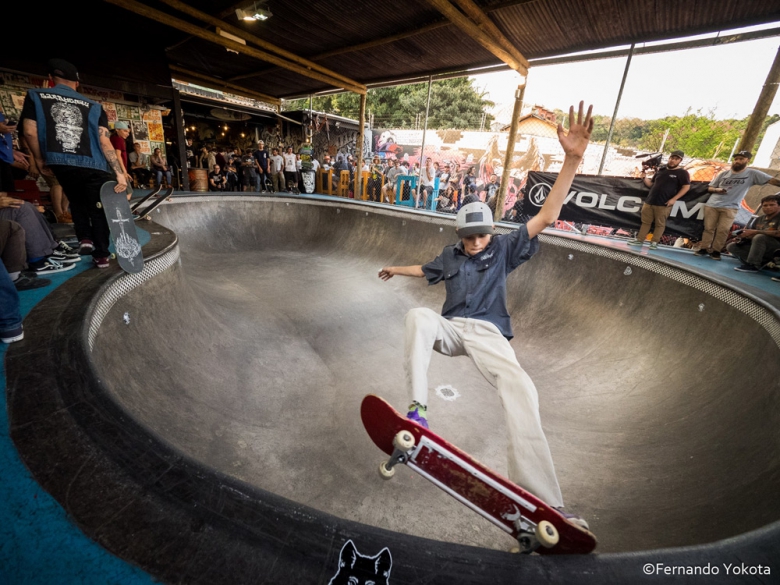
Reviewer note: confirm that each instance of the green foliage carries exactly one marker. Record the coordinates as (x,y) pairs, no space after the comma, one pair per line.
(697,134)
(455,104)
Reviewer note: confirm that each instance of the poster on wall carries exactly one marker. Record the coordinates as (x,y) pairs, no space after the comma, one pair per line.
(146,147)
(156,131)
(160,145)
(123,111)
(17,97)
(152,116)
(110,110)
(140,132)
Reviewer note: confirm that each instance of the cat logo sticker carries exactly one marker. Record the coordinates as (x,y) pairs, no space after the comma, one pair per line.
(538,193)
(355,568)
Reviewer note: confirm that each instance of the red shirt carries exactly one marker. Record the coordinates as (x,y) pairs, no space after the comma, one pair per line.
(120,144)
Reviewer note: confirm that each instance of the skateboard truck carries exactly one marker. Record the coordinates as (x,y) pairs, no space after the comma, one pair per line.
(403,443)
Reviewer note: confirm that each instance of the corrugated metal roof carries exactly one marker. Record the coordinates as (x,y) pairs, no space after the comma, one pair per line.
(538,28)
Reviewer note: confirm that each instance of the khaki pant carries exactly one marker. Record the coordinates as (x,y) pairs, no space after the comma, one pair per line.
(530,462)
(653,214)
(717,225)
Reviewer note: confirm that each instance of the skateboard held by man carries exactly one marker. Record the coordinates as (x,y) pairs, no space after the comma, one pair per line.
(122,228)
(535,525)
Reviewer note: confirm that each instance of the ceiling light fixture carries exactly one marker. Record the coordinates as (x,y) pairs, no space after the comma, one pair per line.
(254,11)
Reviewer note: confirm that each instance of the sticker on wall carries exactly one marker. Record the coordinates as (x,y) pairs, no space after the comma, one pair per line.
(140,132)
(357,568)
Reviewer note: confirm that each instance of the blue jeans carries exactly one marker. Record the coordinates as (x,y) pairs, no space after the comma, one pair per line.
(10,317)
(167,177)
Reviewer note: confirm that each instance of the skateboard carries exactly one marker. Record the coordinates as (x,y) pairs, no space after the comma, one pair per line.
(535,525)
(123,234)
(156,203)
(146,198)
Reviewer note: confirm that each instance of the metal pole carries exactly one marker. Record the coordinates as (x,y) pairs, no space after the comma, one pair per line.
(765,99)
(181,138)
(617,106)
(510,151)
(425,130)
(733,149)
(359,147)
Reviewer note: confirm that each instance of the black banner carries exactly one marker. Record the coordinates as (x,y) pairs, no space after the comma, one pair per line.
(616,202)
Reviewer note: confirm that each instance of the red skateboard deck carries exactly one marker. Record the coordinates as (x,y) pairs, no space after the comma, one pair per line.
(493,497)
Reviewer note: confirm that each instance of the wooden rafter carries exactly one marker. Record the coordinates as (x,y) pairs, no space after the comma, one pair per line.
(196,31)
(241,33)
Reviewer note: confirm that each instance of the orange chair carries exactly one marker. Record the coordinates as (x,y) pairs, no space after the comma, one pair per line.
(343,184)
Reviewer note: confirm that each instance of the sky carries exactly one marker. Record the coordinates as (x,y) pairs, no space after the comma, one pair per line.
(725,79)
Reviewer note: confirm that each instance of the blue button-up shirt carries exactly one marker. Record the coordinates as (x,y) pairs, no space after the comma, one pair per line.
(476,285)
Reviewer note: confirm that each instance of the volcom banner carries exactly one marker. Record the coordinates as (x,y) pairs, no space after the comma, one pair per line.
(616,202)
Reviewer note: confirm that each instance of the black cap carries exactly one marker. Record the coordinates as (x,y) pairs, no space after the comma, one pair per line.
(679,153)
(745,153)
(63,69)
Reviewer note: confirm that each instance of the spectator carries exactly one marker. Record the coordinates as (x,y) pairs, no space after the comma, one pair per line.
(231,176)
(759,242)
(375,180)
(341,165)
(216,179)
(44,254)
(427,178)
(261,168)
(248,175)
(290,172)
(454,183)
(80,154)
(667,185)
(729,189)
(389,188)
(221,159)
(469,184)
(211,158)
(437,169)
(160,167)
(277,170)
(119,142)
(139,167)
(315,164)
(490,190)
(14,256)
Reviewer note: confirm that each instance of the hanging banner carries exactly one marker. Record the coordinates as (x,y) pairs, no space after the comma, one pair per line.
(616,202)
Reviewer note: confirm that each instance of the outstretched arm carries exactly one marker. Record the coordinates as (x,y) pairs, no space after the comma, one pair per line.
(389,272)
(113,161)
(574,144)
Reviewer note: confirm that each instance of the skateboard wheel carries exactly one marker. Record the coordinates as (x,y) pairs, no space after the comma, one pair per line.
(385,472)
(404,440)
(547,534)
(99,205)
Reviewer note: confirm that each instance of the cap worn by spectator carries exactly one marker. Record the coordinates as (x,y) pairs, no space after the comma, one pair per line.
(474,218)
(745,153)
(121,126)
(62,69)
(678,153)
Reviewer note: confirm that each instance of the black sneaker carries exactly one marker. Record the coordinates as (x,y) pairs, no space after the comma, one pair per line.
(746,268)
(50,267)
(11,335)
(715,255)
(25,282)
(64,258)
(700,252)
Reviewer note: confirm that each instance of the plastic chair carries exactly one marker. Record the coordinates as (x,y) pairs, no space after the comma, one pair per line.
(399,181)
(343,190)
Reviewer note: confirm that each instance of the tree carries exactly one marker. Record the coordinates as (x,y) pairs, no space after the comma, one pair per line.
(455,104)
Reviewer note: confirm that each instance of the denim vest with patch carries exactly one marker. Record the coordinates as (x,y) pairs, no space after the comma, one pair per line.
(68,128)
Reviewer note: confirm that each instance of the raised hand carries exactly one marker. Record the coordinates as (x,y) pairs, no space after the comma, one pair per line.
(576,140)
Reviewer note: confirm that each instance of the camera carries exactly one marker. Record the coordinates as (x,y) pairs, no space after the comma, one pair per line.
(652,162)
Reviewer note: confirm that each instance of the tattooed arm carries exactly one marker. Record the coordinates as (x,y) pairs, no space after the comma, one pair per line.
(113,161)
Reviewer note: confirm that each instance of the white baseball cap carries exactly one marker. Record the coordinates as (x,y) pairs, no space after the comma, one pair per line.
(474,218)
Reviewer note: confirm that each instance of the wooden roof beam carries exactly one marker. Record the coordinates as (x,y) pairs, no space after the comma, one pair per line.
(206,35)
(475,32)
(487,26)
(216,83)
(241,33)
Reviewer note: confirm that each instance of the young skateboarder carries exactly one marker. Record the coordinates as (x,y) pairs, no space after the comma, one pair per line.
(475,320)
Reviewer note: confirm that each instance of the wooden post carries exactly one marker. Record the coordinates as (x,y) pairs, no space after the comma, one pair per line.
(765,99)
(510,151)
(359,146)
(215,83)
